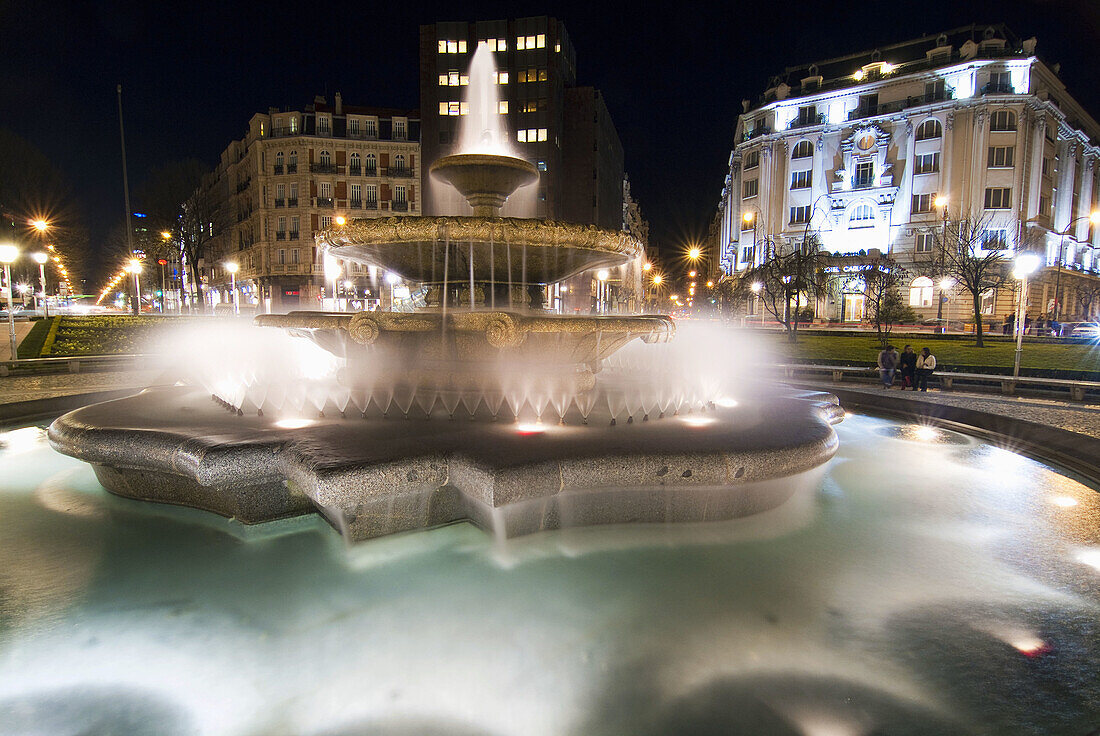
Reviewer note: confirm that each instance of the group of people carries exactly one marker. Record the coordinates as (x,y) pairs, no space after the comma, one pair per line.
(914,368)
(1041,326)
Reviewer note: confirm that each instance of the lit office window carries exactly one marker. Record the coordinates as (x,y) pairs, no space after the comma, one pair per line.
(443,80)
(502,107)
(442,108)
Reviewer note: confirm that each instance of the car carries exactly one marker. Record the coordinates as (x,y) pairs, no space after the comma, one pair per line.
(1086,329)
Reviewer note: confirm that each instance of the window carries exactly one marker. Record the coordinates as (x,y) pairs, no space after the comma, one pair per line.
(747,254)
(502,107)
(372,165)
(862,216)
(803,149)
(801,179)
(807,115)
(995,239)
(279,162)
(526,43)
(326,222)
(500,77)
(400,128)
(929,129)
(495,44)
(1001,157)
(923,203)
(356,195)
(935,91)
(280,194)
(927,163)
(353,127)
(294,227)
(1002,120)
(292,163)
(920,292)
(1047,165)
(356,163)
(293,202)
(324,124)
(452,47)
(282,256)
(1000,82)
(865,174)
(750,188)
(293,125)
(280,229)
(752,159)
(370,127)
(998,198)
(324,190)
(325,159)
(399,162)
(294,252)
(1044,206)
(925,242)
(372,196)
(800,215)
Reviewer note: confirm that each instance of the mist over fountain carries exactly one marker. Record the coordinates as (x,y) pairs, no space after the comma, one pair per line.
(481,406)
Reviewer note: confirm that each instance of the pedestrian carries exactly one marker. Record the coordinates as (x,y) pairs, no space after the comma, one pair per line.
(1027,323)
(908,365)
(926,363)
(887,364)
(1009,324)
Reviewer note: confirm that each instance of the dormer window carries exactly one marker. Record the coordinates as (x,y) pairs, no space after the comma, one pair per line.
(324,124)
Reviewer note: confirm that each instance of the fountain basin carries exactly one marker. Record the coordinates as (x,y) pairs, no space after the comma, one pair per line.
(500,250)
(485,180)
(375,476)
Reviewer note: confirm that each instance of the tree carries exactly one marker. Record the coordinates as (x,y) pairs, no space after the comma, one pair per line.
(974,268)
(786,277)
(882,297)
(1088,295)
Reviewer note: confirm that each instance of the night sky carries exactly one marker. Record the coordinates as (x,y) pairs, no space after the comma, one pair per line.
(194,72)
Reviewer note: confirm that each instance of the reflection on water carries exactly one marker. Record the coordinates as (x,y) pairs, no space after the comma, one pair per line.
(936,584)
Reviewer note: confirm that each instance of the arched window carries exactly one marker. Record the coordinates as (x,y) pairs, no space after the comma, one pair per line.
(355,163)
(279,159)
(292,163)
(1002,120)
(803,149)
(920,292)
(862,216)
(399,161)
(372,165)
(326,158)
(929,129)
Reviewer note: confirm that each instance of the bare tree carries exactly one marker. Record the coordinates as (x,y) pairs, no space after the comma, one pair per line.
(965,259)
(786,277)
(1088,295)
(882,296)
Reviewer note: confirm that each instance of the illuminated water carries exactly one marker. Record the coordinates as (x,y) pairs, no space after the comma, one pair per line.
(936,585)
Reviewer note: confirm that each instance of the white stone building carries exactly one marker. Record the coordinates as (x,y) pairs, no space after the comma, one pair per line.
(858,149)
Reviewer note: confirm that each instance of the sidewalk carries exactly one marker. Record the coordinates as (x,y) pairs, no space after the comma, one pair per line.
(26,388)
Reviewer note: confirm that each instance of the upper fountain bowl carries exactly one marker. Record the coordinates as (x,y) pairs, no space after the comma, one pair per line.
(485,180)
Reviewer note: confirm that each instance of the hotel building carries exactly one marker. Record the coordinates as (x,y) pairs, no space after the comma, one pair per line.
(858,149)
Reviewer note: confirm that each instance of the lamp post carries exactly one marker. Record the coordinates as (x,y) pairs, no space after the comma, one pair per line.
(601,290)
(135,268)
(162,262)
(941,202)
(8,254)
(40,259)
(392,279)
(1094,218)
(1026,263)
(756,287)
(232,267)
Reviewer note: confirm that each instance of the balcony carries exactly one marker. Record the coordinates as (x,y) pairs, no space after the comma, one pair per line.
(356,204)
(399,205)
(370,204)
(278,169)
(280,236)
(355,171)
(293,234)
(280,203)
(292,168)
(400,172)
(755,133)
(243,185)
(998,88)
(292,202)
(863,182)
(806,122)
(282,132)
(324,202)
(325,169)
(370,171)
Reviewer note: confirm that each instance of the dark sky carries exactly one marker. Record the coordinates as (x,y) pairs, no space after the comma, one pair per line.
(194,72)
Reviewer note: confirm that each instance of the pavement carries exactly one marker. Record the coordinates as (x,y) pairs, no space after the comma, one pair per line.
(48,386)
(1072,416)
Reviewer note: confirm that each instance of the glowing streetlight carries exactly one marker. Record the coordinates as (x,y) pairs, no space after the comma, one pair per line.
(134,267)
(392,279)
(232,267)
(8,254)
(647,267)
(710,284)
(748,217)
(657,280)
(601,289)
(340,220)
(695,253)
(1025,265)
(40,225)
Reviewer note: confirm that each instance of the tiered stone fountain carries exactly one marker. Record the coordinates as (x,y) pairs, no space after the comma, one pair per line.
(429,445)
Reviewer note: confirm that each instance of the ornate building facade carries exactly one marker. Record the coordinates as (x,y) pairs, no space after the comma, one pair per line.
(871,152)
(292,174)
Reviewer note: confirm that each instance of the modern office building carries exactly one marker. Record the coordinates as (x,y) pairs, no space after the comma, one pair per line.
(292,174)
(858,149)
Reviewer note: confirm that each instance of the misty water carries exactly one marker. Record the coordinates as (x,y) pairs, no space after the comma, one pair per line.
(935,584)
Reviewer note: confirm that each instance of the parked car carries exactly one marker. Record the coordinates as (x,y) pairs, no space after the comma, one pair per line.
(1086,329)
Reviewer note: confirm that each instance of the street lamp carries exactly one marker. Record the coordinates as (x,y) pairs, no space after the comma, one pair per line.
(601,289)
(8,254)
(1094,218)
(392,279)
(40,259)
(1026,263)
(232,267)
(941,202)
(134,267)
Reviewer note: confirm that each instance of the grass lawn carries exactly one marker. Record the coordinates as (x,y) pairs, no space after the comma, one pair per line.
(952,353)
(103,335)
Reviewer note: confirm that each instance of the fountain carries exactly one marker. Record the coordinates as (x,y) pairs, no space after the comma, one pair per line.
(580,393)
